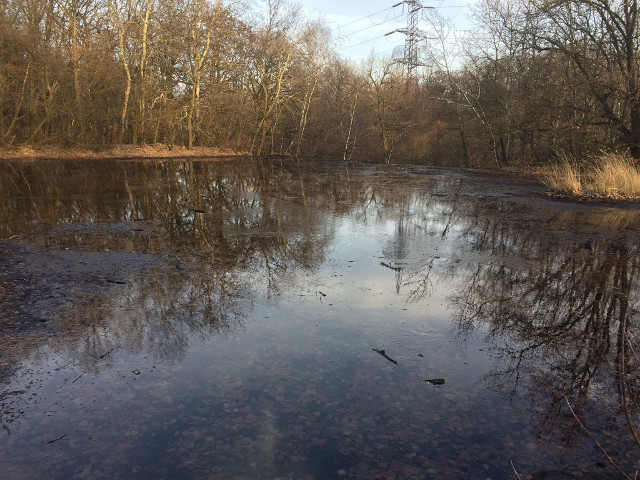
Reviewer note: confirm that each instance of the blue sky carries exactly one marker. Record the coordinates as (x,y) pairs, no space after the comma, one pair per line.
(359,26)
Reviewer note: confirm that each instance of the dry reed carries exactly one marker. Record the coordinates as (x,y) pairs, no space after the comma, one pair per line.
(614,176)
(609,175)
(563,177)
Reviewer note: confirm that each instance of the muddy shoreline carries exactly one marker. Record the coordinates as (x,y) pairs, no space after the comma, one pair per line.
(120,152)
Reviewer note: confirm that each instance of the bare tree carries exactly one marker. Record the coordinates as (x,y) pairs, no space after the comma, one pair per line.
(200,17)
(384,84)
(313,54)
(600,38)
(118,18)
(271,58)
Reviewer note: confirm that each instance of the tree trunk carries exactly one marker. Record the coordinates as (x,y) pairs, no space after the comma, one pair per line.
(634,132)
(75,60)
(198,62)
(139,134)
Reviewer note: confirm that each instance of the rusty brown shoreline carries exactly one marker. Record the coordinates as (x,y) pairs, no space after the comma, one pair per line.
(120,152)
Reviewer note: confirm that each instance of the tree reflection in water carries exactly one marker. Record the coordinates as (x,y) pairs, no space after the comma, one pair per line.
(556,297)
(219,226)
(561,315)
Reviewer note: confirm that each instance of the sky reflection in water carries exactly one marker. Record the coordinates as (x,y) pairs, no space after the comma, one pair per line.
(219,320)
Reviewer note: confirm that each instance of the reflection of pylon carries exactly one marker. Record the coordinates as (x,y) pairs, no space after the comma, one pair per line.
(412,34)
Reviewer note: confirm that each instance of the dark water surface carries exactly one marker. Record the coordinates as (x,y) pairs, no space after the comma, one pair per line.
(225,320)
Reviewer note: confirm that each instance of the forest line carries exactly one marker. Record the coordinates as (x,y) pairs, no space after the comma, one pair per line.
(536,80)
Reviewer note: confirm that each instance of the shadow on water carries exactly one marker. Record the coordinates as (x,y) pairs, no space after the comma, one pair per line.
(222,320)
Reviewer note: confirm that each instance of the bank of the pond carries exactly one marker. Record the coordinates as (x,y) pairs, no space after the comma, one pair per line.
(119,152)
(562,181)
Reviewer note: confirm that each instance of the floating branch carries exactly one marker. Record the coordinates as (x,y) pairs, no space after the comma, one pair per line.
(384,354)
(435,381)
(59,438)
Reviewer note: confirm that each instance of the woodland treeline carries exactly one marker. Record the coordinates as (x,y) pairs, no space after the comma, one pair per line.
(536,79)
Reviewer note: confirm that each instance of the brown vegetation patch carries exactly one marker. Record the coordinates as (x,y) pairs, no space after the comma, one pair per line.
(26,153)
(610,176)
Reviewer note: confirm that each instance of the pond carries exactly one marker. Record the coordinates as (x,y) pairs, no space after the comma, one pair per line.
(262,319)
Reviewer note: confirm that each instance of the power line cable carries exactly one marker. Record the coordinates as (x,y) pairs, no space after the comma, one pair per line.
(374,24)
(365,28)
(363,18)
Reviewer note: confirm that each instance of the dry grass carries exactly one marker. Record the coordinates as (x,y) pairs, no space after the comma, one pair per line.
(615,176)
(610,175)
(563,177)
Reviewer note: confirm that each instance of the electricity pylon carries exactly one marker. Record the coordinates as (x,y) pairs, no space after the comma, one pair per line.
(412,35)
